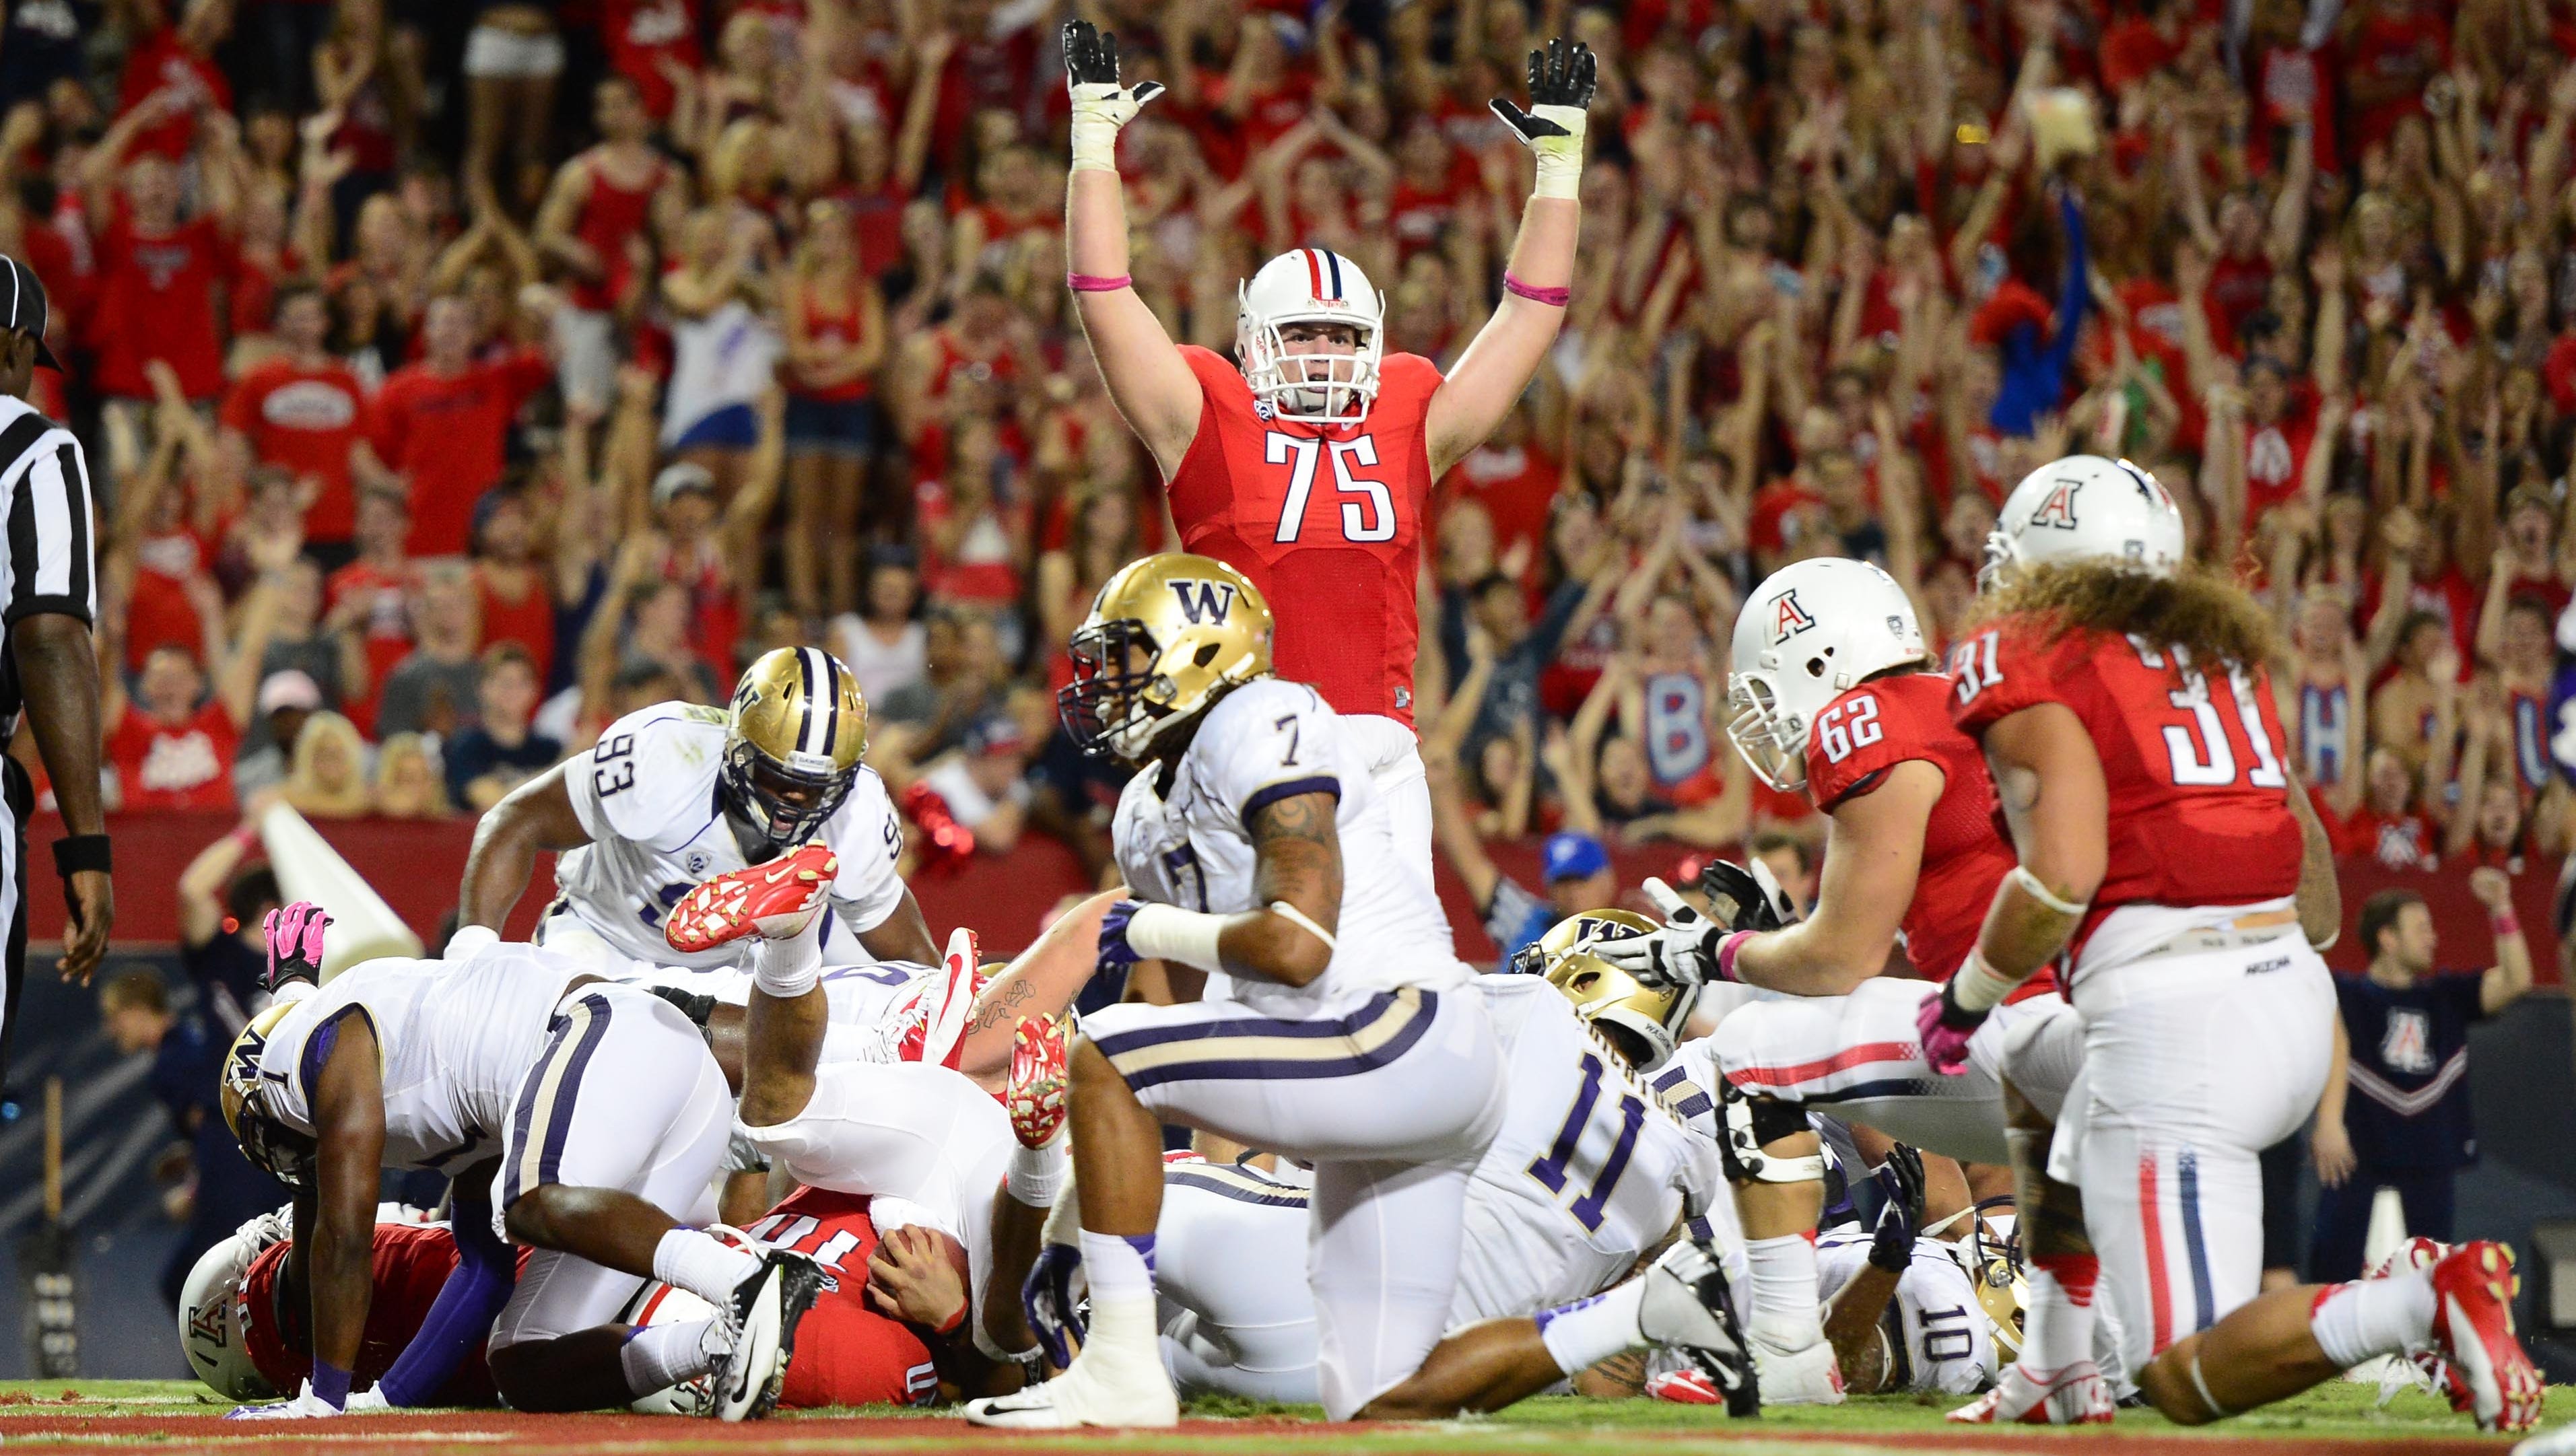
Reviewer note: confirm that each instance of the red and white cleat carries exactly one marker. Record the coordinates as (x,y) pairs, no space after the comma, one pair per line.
(776,900)
(1035,1094)
(1685,1387)
(2074,1396)
(950,995)
(2473,1288)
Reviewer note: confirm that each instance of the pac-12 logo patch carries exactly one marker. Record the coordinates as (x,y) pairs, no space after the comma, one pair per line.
(1205,603)
(1788,618)
(2059,509)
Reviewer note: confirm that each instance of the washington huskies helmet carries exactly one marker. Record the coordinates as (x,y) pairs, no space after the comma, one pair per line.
(1605,996)
(797,728)
(210,1321)
(1808,634)
(246,1098)
(1993,1262)
(2085,508)
(1310,286)
(1167,636)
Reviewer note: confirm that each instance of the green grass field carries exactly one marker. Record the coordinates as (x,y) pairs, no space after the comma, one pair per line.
(171,1415)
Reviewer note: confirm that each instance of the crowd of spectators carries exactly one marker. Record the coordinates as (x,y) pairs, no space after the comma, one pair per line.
(464,375)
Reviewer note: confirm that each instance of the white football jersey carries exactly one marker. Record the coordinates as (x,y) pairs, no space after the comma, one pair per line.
(454,1038)
(1265,741)
(1588,1174)
(1935,1324)
(647,797)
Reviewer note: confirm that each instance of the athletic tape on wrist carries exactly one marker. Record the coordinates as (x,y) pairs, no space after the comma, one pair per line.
(1170,933)
(1979,986)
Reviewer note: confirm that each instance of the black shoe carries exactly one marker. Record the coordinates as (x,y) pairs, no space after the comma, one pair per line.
(763,1315)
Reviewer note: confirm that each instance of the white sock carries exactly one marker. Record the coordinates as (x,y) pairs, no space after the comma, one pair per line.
(1581,1335)
(1120,1266)
(662,1356)
(2353,1322)
(2058,1331)
(700,1264)
(1785,1312)
(787,969)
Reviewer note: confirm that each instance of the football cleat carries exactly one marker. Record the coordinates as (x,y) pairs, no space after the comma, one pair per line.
(1686,1306)
(2074,1396)
(2473,1289)
(946,1001)
(1798,1377)
(1106,1385)
(761,1317)
(1034,1095)
(776,901)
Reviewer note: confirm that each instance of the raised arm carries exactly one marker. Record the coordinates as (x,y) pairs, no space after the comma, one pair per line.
(1148,379)
(537,815)
(1538,280)
(2504,982)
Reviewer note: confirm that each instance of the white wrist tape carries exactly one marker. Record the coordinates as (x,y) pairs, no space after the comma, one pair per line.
(1036,1175)
(2031,886)
(1098,112)
(1170,933)
(1297,917)
(1560,158)
(1979,986)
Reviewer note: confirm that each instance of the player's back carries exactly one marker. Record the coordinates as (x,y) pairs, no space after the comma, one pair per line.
(1263,741)
(453,1040)
(2199,803)
(1867,732)
(1326,520)
(1588,1172)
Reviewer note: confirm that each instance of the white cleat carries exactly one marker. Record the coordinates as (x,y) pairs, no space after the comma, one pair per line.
(1809,1376)
(1108,1384)
(1686,1305)
(761,1319)
(2074,1396)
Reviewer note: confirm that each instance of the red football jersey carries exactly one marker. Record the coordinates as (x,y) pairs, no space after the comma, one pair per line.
(846,1353)
(1325,519)
(2199,805)
(411,1265)
(1870,730)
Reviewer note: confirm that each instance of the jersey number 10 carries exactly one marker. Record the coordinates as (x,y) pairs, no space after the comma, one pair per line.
(1371,519)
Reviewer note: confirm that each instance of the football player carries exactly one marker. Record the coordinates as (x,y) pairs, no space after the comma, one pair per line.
(676,794)
(2122,697)
(1306,461)
(1589,1178)
(582,1117)
(1834,695)
(1263,858)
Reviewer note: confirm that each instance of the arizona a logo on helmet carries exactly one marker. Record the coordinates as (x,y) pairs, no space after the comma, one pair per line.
(2059,509)
(1788,618)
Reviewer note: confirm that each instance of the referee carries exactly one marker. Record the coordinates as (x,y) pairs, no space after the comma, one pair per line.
(49,670)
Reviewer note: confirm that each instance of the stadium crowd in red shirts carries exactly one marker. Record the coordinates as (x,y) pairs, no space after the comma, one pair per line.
(468,375)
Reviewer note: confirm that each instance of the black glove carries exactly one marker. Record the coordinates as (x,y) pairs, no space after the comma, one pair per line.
(1090,54)
(1745,899)
(1565,74)
(1900,1183)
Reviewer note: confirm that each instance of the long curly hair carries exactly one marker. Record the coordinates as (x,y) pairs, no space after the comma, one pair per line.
(2198,609)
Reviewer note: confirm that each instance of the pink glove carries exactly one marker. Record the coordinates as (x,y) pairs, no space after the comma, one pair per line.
(295,943)
(1945,1030)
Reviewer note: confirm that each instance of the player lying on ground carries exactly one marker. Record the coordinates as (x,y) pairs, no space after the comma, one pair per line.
(935,1152)
(1835,695)
(1588,1181)
(1306,461)
(612,1119)
(675,794)
(2121,695)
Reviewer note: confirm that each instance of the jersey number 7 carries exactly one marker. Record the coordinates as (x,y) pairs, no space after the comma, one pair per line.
(1369,519)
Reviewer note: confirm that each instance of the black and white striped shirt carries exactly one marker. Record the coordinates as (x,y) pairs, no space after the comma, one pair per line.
(47,513)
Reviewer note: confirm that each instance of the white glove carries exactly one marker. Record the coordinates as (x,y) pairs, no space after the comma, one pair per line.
(304,1407)
(1100,105)
(1681,953)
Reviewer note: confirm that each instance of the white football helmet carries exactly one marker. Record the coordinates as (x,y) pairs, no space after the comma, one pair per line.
(210,1321)
(668,1304)
(1312,286)
(1808,634)
(2085,508)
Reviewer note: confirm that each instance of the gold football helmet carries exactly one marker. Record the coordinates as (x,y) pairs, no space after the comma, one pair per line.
(1166,637)
(1643,1021)
(797,728)
(1993,1263)
(244,1095)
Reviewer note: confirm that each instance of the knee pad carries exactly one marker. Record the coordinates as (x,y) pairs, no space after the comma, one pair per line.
(1750,1122)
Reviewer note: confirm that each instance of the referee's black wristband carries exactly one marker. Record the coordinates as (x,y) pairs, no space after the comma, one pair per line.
(74,853)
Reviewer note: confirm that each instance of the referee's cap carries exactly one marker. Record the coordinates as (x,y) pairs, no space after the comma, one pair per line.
(22,310)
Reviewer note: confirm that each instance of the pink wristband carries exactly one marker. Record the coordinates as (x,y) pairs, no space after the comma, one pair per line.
(1552,297)
(1726,949)
(2503,922)
(1094,283)
(244,837)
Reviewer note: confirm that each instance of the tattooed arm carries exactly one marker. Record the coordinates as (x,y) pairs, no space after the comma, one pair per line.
(1298,862)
